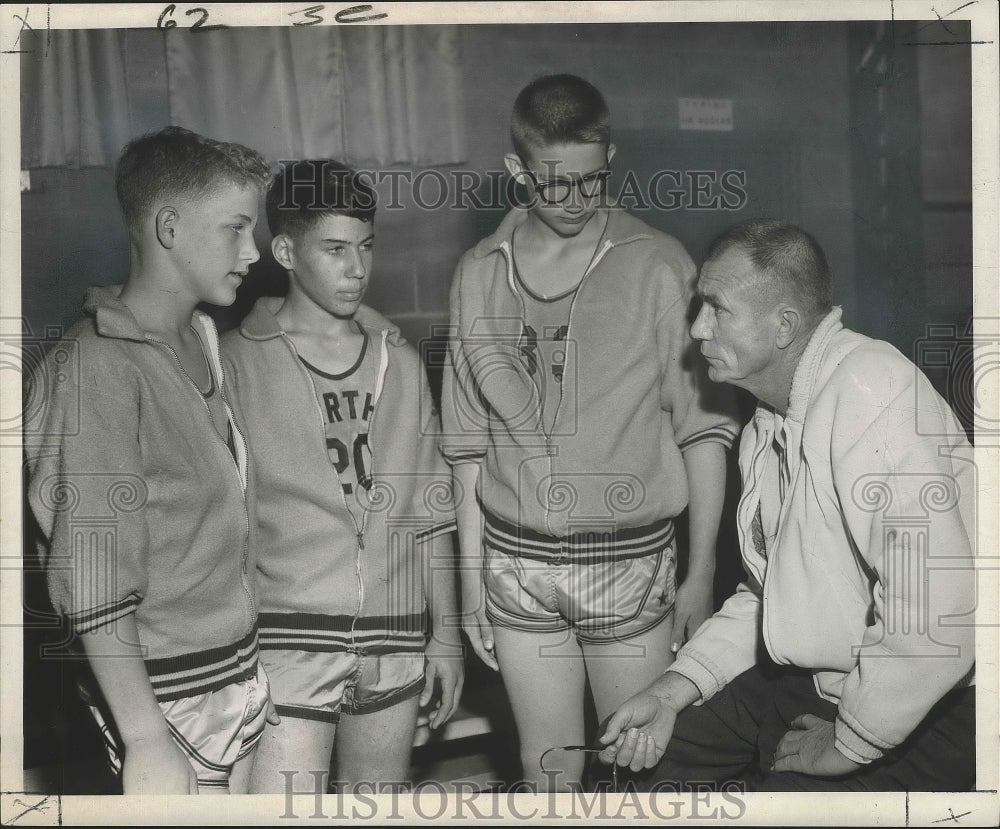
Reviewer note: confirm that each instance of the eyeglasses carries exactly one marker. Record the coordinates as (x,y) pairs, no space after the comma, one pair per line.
(558,190)
(585,750)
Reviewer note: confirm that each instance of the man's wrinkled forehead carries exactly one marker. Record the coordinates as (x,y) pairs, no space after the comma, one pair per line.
(726,273)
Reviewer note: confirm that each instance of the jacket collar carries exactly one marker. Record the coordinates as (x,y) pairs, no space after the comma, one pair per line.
(112,317)
(767,420)
(810,364)
(621,228)
(261,323)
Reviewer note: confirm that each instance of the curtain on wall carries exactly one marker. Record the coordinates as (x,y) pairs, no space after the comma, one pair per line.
(367,94)
(364,94)
(74,98)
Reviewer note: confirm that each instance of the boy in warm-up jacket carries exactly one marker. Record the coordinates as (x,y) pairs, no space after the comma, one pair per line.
(355,510)
(139,480)
(579,423)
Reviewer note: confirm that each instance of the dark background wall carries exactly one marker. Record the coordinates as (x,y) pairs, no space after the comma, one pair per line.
(793,135)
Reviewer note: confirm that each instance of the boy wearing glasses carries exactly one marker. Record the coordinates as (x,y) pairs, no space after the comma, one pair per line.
(577,418)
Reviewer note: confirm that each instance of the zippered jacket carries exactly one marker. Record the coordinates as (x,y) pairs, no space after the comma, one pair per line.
(635,396)
(863,571)
(141,505)
(326,580)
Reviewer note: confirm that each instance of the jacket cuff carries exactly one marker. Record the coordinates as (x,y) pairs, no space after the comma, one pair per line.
(438,529)
(855,742)
(717,434)
(703,677)
(454,456)
(85,621)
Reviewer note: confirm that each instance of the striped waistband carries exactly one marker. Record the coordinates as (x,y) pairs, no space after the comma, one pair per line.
(174,677)
(595,546)
(344,634)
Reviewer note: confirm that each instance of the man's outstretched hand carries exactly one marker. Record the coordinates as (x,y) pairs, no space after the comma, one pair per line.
(637,734)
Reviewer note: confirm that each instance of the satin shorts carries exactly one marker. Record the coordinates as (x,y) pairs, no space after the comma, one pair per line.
(602,602)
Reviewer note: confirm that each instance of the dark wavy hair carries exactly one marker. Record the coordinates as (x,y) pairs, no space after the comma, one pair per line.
(305,191)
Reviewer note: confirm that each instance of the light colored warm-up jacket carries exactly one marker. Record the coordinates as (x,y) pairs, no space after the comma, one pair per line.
(141,504)
(863,573)
(326,580)
(635,397)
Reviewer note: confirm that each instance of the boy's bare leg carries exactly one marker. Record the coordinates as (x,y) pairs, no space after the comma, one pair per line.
(239,777)
(295,745)
(545,678)
(618,670)
(375,748)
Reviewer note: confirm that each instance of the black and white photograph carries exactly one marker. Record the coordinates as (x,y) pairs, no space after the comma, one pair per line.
(527,412)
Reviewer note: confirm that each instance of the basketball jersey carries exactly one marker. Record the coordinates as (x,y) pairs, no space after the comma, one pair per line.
(543,345)
(347,402)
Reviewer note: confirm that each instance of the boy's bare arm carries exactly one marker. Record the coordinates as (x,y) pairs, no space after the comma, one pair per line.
(153,763)
(470,539)
(705,466)
(445,665)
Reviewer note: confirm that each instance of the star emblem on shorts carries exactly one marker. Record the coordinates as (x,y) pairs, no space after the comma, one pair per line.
(662,598)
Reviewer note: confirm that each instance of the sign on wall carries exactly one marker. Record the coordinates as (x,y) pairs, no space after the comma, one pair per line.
(706,114)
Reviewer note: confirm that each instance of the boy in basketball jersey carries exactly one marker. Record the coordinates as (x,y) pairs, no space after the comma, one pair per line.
(354,504)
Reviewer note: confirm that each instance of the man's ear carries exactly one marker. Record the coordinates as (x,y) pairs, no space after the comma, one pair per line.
(283,249)
(789,326)
(612,149)
(166,225)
